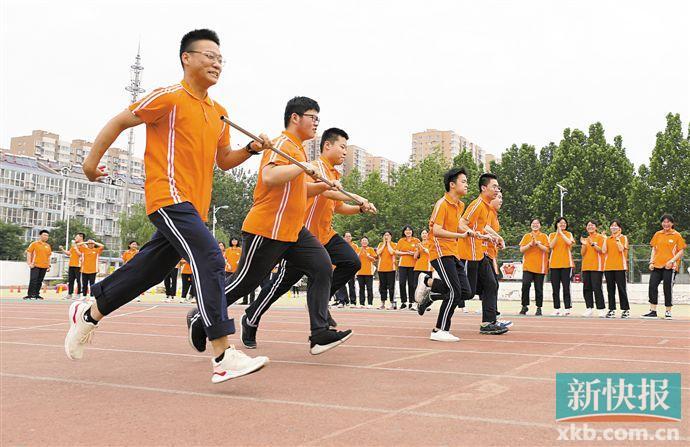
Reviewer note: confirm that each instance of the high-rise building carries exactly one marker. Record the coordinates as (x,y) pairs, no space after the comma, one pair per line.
(356,158)
(313,148)
(447,143)
(47,146)
(384,166)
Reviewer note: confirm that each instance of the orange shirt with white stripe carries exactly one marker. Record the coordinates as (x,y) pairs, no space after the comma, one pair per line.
(614,258)
(446,213)
(367,264)
(74,257)
(90,258)
(561,256)
(319,216)
(40,254)
(490,246)
(232,256)
(534,259)
(592,260)
(410,245)
(278,211)
(128,255)
(477,216)
(183,134)
(666,244)
(423,264)
(186,269)
(386,259)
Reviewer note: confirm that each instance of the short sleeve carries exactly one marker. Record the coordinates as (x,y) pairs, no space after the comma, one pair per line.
(654,240)
(155,106)
(439,215)
(552,236)
(273,157)
(100,250)
(224,137)
(524,240)
(681,242)
(31,248)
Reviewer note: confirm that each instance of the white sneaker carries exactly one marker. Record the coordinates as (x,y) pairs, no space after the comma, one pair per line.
(235,364)
(565,313)
(340,306)
(588,312)
(602,313)
(443,336)
(422,290)
(80,332)
(369,306)
(556,313)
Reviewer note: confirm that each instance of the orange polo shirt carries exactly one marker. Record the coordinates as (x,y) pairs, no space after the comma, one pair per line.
(367,264)
(74,257)
(614,258)
(477,215)
(666,245)
(534,259)
(232,256)
(183,134)
(386,259)
(593,260)
(407,245)
(278,211)
(40,254)
(90,258)
(423,264)
(354,246)
(186,268)
(561,256)
(319,216)
(491,247)
(447,214)
(128,255)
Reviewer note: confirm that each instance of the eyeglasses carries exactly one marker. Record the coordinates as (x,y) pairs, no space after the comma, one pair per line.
(211,56)
(315,118)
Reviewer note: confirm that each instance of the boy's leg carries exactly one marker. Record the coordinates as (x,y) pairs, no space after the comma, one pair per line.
(279,285)
(448,271)
(611,288)
(346,263)
(597,278)
(310,257)
(485,275)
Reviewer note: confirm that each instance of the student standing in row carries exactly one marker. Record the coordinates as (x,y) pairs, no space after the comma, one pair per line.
(365,275)
(667,250)
(593,269)
(561,265)
(405,249)
(422,265)
(38,258)
(386,267)
(534,247)
(74,269)
(170,283)
(615,269)
(90,252)
(351,283)
(132,250)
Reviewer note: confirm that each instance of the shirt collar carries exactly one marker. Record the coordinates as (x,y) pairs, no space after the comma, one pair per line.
(186,88)
(294,138)
(450,199)
(328,164)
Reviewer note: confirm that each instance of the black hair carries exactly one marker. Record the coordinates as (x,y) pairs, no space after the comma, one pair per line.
(533,219)
(299,105)
(43,231)
(558,220)
(194,36)
(221,242)
(405,229)
(234,239)
(592,221)
(331,135)
(387,231)
(83,236)
(617,222)
(667,216)
(485,178)
(452,176)
(131,242)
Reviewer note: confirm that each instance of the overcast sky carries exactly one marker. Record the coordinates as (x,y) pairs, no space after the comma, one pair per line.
(497,72)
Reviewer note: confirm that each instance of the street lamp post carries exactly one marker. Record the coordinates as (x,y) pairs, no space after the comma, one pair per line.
(564,191)
(65,213)
(215,210)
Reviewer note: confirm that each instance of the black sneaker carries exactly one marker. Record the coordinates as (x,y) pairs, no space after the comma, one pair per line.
(625,314)
(26,297)
(248,334)
(403,306)
(331,322)
(424,305)
(195,330)
(492,329)
(39,297)
(650,315)
(524,310)
(611,314)
(538,312)
(328,339)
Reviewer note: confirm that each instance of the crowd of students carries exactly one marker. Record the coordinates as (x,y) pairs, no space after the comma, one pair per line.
(289,226)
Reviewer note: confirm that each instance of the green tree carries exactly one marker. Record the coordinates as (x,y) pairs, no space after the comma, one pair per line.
(369,225)
(235,189)
(474,170)
(663,187)
(135,227)
(57,234)
(11,243)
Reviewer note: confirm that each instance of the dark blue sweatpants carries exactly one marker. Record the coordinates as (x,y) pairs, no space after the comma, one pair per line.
(180,232)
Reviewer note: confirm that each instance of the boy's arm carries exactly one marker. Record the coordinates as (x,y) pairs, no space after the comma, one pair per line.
(106,137)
